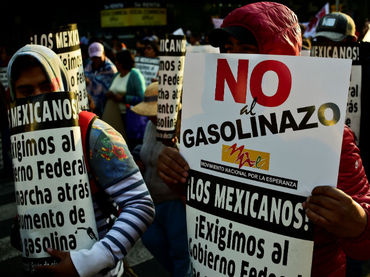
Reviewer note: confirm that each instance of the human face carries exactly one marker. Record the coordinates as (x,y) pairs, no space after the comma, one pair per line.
(233,45)
(149,52)
(31,82)
(97,62)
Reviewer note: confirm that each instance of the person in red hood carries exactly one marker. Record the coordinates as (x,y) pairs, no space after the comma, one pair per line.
(340,215)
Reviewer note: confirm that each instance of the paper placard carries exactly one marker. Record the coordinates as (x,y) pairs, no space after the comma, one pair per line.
(170,80)
(259,132)
(65,41)
(52,189)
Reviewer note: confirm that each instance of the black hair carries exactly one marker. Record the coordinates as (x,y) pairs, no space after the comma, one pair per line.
(153,44)
(218,37)
(126,59)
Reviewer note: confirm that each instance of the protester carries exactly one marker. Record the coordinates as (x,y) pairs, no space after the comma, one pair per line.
(339,214)
(336,27)
(117,46)
(36,69)
(139,47)
(193,38)
(151,49)
(126,89)
(166,237)
(99,73)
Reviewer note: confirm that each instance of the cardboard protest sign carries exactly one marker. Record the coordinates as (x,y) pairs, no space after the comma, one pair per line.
(358,99)
(347,51)
(148,67)
(65,41)
(259,133)
(170,77)
(52,190)
(4,76)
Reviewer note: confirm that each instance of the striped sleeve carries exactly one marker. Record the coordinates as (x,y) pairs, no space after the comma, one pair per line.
(119,176)
(137,212)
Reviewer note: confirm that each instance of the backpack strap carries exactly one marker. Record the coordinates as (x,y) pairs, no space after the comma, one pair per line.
(108,208)
(85,120)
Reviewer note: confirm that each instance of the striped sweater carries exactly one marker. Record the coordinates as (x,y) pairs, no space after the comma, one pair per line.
(116,172)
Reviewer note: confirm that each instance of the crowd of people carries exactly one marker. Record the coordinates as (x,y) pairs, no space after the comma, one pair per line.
(145,184)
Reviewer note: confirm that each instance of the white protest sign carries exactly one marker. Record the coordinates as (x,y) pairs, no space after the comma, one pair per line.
(170,78)
(353,116)
(4,76)
(148,67)
(343,50)
(52,189)
(65,41)
(259,133)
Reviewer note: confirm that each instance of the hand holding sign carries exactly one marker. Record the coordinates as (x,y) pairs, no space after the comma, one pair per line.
(55,188)
(336,212)
(64,268)
(172,167)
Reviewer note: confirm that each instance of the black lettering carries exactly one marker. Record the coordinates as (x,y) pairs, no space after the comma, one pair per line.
(239,127)
(260,246)
(232,133)
(188,138)
(201,137)
(287,121)
(271,125)
(309,112)
(215,136)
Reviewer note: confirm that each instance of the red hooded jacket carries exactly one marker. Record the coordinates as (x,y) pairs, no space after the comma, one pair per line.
(276,30)
(274,26)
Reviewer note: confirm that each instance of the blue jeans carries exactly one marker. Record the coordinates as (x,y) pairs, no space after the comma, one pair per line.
(166,237)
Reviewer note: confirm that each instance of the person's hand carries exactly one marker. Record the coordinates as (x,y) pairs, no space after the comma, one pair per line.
(119,97)
(116,97)
(336,212)
(65,266)
(172,167)
(140,165)
(109,95)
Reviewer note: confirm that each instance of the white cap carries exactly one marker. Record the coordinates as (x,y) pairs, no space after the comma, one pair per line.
(96,49)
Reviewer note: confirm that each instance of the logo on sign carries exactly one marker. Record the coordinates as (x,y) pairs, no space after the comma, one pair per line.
(245,157)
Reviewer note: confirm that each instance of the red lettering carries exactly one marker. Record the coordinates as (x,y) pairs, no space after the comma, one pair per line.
(241,155)
(238,88)
(283,90)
